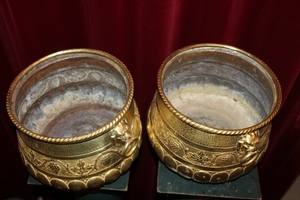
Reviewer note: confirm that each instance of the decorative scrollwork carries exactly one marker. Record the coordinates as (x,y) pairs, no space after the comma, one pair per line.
(105,159)
(81,168)
(174,145)
(224,159)
(31,156)
(54,167)
(199,157)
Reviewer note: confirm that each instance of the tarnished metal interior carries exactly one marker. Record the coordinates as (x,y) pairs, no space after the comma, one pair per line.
(70,95)
(218,87)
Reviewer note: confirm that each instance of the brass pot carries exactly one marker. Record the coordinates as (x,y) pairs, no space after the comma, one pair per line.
(210,120)
(78,125)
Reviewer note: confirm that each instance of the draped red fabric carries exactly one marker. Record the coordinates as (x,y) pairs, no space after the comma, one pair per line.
(142,34)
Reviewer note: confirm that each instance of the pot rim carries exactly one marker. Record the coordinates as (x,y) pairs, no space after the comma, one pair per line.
(277,92)
(108,126)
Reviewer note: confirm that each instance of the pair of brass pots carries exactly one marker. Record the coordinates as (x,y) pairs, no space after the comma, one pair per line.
(78,125)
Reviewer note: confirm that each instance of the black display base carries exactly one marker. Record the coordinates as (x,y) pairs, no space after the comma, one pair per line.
(173,186)
(110,191)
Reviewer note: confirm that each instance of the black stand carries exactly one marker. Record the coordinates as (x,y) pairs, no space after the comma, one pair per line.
(111,191)
(172,186)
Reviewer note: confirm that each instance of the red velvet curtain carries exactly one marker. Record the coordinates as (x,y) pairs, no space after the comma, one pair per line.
(142,34)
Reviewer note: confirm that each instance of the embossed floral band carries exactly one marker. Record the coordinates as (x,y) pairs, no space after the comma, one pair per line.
(77,123)
(210,120)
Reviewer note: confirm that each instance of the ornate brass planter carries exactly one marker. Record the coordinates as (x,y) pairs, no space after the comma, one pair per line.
(210,120)
(77,123)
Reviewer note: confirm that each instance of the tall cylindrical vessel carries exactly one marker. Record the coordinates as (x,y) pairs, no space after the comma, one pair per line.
(78,125)
(210,119)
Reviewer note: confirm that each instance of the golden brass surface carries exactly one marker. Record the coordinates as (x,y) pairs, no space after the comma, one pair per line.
(210,119)
(78,125)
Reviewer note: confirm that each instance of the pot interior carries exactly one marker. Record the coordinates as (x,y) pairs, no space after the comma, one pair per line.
(71,95)
(218,87)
